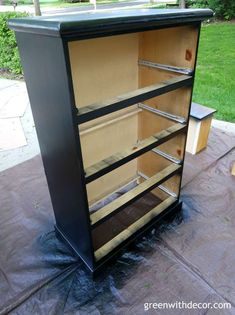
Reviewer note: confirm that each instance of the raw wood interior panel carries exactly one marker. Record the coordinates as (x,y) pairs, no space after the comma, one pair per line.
(101,141)
(149,124)
(151,163)
(109,119)
(103,68)
(172,46)
(110,182)
(173,185)
(108,139)
(174,102)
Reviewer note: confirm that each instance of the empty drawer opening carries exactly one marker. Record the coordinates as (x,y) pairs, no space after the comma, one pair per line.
(114,145)
(108,235)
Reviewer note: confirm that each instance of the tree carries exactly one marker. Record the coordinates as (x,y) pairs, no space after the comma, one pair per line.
(182,4)
(37,7)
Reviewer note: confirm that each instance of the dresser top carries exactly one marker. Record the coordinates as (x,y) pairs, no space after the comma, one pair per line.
(101,23)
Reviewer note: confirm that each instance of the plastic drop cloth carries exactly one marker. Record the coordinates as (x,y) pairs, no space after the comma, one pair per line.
(189,259)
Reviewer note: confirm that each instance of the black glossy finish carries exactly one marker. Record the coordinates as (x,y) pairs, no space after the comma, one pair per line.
(50,99)
(201,112)
(96,112)
(95,24)
(43,45)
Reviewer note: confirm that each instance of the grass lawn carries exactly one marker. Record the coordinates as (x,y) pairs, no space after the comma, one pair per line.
(215,74)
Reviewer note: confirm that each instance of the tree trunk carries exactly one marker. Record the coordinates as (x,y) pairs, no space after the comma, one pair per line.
(37,7)
(182,4)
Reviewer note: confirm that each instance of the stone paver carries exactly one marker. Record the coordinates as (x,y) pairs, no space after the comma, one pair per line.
(14,99)
(11,134)
(224,125)
(18,139)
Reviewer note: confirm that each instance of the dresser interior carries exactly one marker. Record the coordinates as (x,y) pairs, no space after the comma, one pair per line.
(110,67)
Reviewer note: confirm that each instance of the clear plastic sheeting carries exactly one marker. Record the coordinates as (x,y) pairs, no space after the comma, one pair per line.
(191,258)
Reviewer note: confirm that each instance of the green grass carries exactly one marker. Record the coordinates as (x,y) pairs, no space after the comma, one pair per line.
(215,74)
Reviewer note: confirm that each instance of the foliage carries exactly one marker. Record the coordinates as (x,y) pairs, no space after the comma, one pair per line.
(223,9)
(9,55)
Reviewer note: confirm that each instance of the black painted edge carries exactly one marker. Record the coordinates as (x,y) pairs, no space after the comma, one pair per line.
(65,238)
(169,211)
(132,156)
(190,101)
(110,22)
(130,101)
(120,208)
(210,112)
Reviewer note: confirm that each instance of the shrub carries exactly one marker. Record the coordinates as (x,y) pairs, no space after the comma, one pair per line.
(9,55)
(224,9)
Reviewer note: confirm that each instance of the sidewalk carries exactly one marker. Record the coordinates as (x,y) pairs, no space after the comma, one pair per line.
(86,7)
(18,139)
